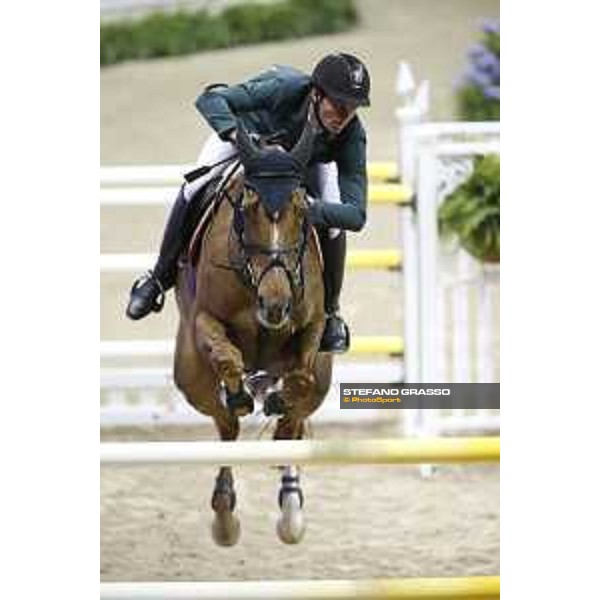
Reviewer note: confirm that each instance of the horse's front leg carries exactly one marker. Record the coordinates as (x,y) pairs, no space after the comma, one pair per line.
(300,394)
(300,398)
(227,361)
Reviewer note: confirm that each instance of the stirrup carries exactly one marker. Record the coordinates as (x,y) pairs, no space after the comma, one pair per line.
(159,301)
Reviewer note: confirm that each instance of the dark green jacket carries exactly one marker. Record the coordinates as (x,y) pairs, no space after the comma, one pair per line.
(276,102)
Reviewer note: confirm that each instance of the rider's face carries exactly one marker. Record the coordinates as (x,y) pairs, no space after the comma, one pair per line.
(335,116)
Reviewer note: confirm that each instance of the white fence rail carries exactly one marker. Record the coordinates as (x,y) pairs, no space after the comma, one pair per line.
(147,395)
(451,301)
(454,299)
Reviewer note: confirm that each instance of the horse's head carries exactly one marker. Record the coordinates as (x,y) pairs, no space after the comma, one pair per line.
(272,223)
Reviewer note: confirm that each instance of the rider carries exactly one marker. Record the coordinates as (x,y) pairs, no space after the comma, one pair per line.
(276,104)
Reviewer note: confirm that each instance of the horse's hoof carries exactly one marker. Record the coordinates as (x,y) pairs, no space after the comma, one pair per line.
(291,524)
(226,529)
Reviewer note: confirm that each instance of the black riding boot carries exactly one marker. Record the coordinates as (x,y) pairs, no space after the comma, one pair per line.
(336,337)
(148,292)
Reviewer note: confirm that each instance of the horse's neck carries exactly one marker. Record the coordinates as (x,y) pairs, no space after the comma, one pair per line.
(217,240)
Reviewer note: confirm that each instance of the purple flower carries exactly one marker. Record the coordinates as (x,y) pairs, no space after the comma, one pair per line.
(495,72)
(484,68)
(492,91)
(477,50)
(488,63)
(486,60)
(479,78)
(491,26)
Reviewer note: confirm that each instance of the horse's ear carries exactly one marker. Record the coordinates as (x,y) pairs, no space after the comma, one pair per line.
(302,151)
(246,147)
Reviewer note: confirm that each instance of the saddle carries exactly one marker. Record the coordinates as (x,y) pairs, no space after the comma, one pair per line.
(212,198)
(209,209)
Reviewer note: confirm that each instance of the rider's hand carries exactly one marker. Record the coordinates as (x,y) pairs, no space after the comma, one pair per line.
(255,137)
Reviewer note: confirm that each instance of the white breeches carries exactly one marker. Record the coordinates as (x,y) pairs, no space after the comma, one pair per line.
(215,149)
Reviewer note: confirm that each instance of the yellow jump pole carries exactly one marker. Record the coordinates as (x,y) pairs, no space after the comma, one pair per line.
(382,170)
(390,193)
(305,452)
(457,588)
(374,259)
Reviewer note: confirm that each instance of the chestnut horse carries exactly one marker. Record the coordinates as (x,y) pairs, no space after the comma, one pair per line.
(251,327)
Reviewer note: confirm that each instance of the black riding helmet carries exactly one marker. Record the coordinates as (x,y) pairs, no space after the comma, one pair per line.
(344,78)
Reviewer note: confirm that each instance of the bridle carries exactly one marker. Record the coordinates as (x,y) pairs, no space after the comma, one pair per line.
(264,170)
(243,251)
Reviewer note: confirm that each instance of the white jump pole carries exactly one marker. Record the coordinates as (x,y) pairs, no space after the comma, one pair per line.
(321,452)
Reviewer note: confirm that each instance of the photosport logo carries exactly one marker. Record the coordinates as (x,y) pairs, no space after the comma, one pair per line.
(425,395)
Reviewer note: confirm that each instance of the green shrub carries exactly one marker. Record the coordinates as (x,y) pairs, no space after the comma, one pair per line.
(472,211)
(476,106)
(171,34)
